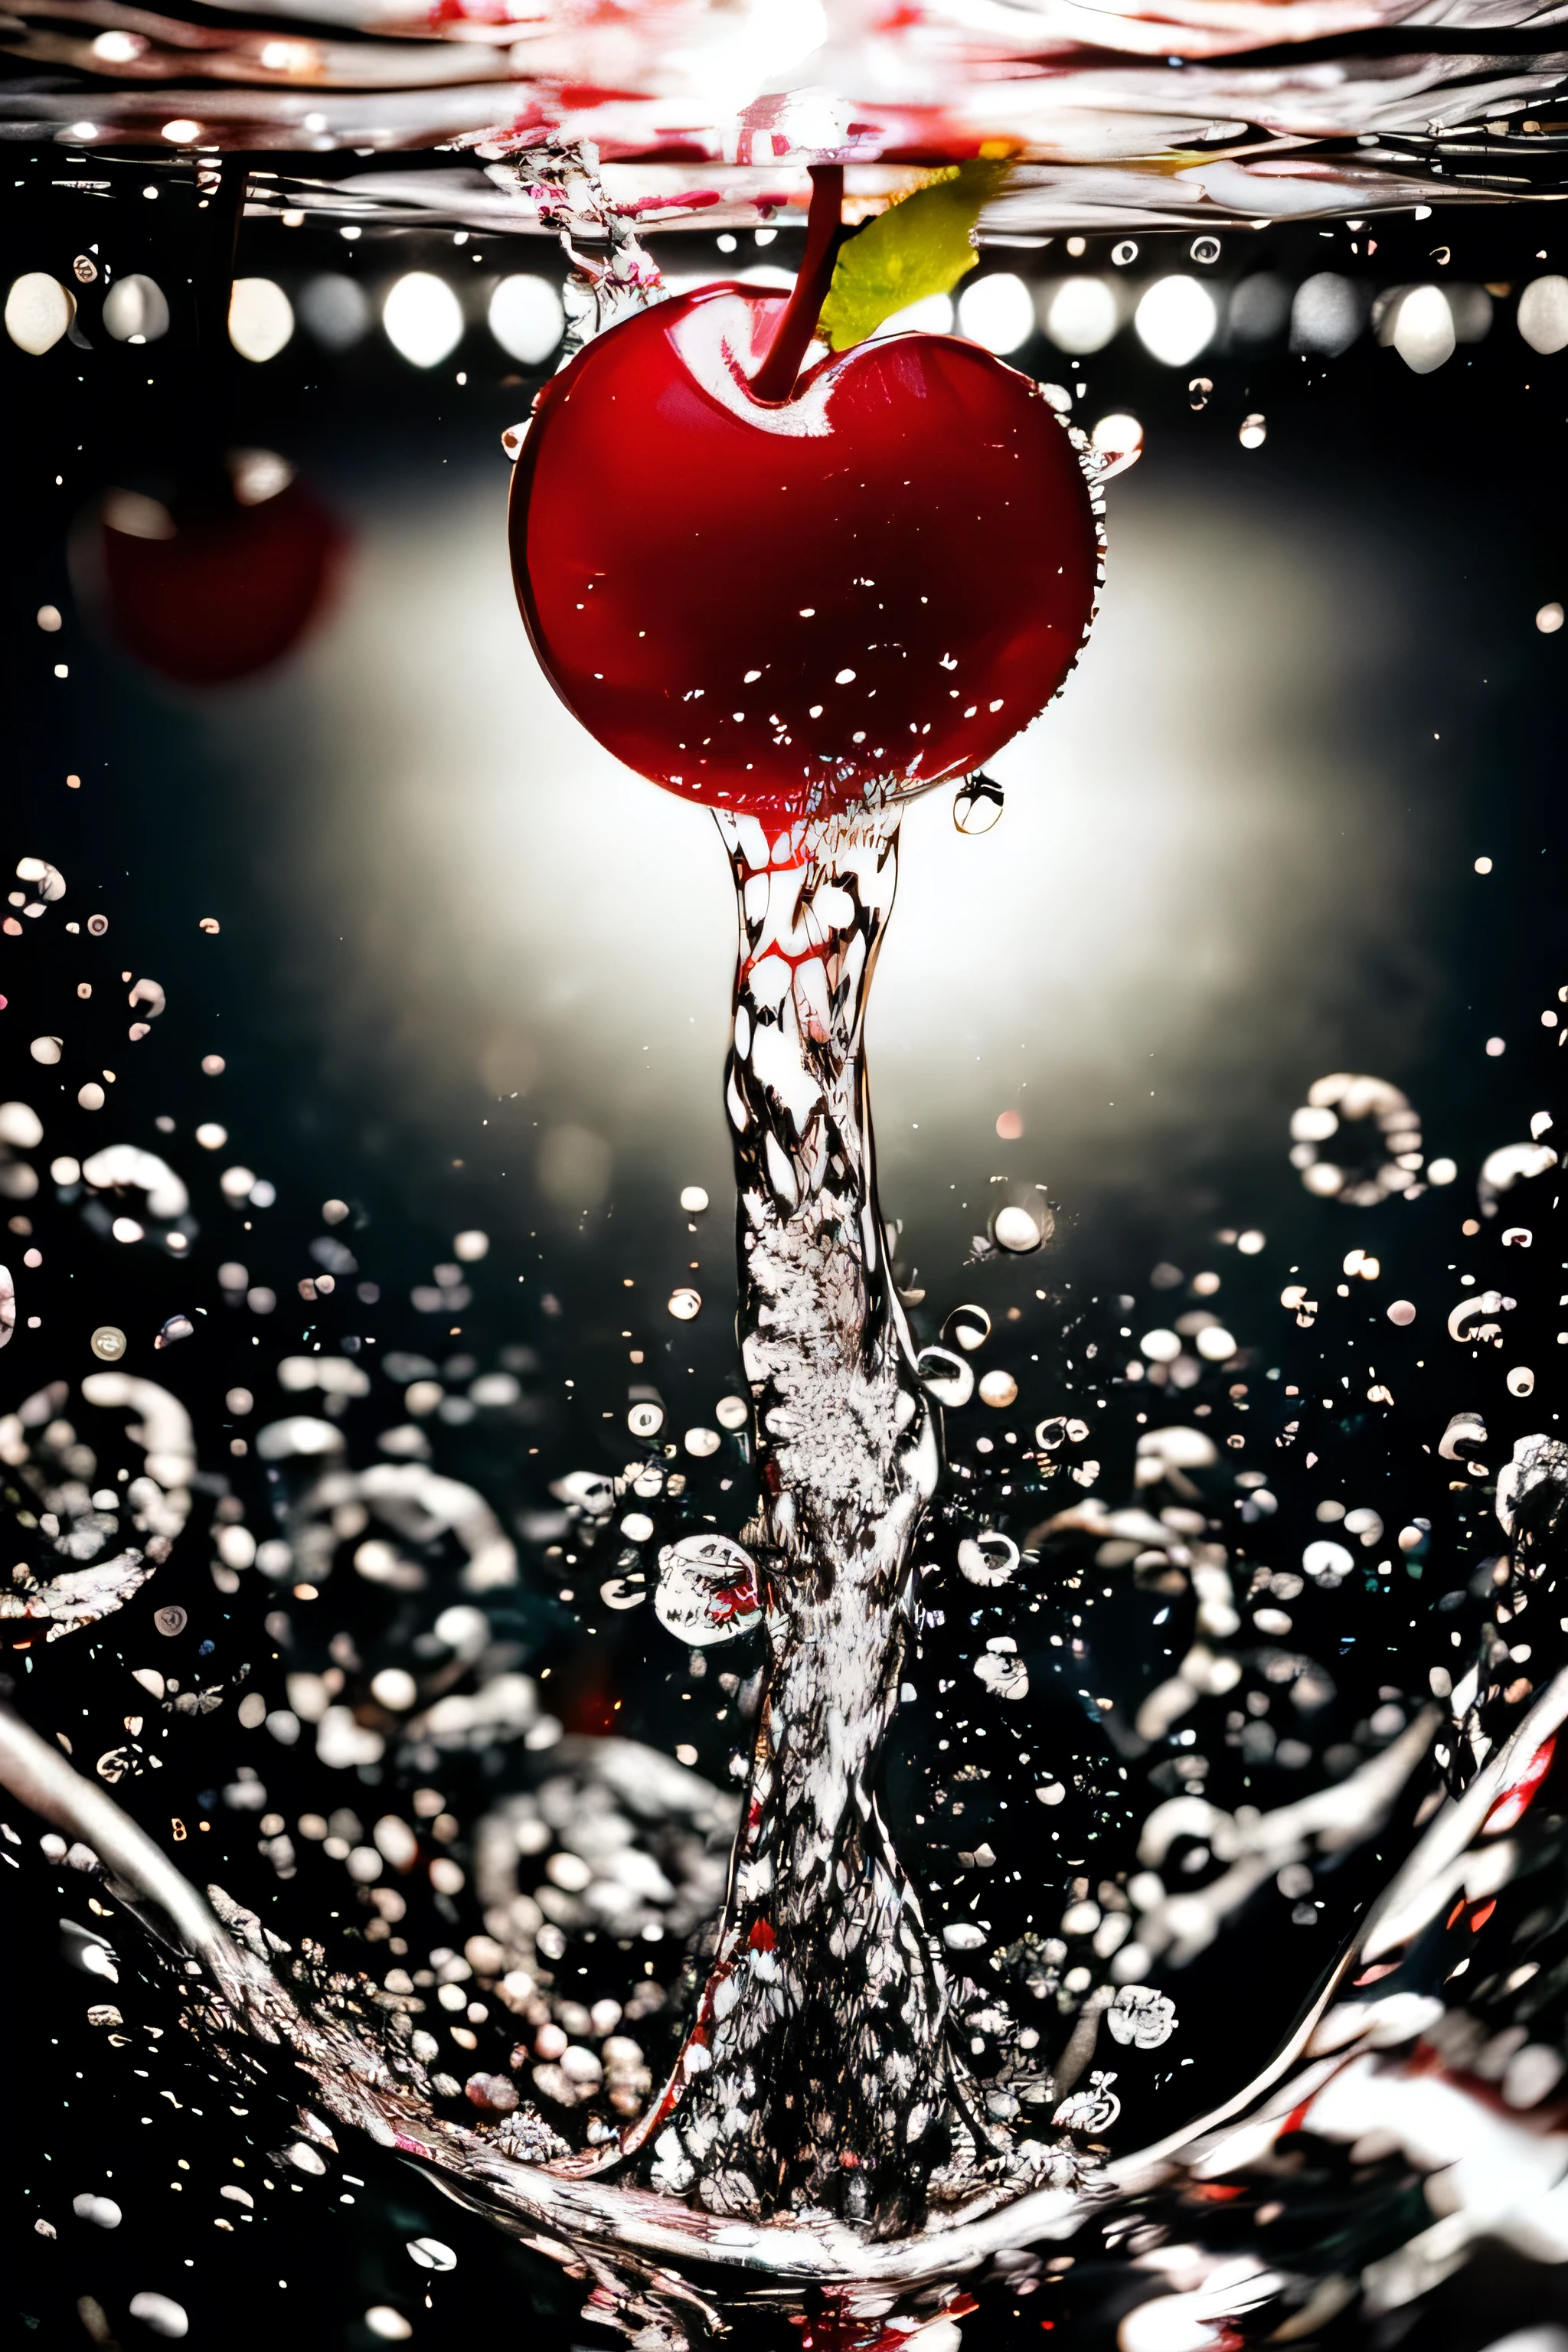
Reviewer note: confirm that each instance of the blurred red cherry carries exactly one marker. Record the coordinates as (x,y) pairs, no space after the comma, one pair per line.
(212,587)
(771,605)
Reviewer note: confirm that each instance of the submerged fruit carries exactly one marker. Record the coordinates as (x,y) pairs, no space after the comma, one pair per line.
(212,588)
(781,607)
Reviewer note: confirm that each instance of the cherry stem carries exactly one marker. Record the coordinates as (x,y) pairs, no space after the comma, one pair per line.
(775,380)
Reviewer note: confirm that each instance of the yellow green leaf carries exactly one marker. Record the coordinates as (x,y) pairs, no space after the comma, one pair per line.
(922,245)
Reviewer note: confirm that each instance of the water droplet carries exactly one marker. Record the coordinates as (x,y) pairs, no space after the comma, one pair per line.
(1118,443)
(108,1342)
(947,1376)
(707,1591)
(646,1420)
(967,1328)
(1017,1231)
(685,1304)
(169,1622)
(977,806)
(988,1559)
(998,1390)
(1254,431)
(693,1200)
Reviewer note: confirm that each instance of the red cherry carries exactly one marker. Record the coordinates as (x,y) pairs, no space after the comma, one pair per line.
(768,606)
(208,593)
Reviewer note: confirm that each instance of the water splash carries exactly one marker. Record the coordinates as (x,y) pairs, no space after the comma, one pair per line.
(1140,120)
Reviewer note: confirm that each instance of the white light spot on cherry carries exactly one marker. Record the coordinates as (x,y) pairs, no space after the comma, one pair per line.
(844,678)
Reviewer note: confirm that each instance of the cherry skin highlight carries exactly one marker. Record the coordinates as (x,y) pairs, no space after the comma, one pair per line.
(785,608)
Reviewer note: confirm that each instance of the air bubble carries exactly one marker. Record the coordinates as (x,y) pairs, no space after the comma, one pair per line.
(707,1591)
(1016,1231)
(967,1328)
(947,1376)
(988,1559)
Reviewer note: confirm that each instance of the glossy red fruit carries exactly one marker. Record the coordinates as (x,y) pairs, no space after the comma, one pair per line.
(771,607)
(208,593)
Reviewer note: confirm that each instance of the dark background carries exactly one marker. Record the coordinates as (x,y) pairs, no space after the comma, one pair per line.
(1238,855)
